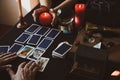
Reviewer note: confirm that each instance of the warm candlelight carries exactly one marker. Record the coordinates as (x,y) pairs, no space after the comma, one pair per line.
(79,9)
(77,21)
(45,19)
(79,15)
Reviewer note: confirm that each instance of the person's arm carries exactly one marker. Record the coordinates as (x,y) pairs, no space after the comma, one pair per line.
(46,3)
(65,3)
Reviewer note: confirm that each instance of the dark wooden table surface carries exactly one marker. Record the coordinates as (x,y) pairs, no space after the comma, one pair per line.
(56,68)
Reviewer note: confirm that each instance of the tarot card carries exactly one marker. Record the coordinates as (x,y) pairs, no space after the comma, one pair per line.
(62,49)
(53,33)
(43,61)
(33,28)
(34,40)
(24,52)
(4,48)
(16,47)
(23,38)
(35,54)
(45,44)
(42,31)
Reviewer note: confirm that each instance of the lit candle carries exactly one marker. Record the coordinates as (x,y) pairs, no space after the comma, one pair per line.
(79,9)
(79,14)
(45,19)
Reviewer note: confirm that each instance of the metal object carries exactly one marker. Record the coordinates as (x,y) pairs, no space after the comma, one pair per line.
(66,25)
(21,22)
(94,27)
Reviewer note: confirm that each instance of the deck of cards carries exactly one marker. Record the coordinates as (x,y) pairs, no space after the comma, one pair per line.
(61,50)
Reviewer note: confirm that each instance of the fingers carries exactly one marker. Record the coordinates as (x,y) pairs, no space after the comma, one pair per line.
(22,65)
(33,65)
(54,19)
(28,65)
(9,57)
(4,56)
(5,67)
(54,15)
(38,11)
(11,72)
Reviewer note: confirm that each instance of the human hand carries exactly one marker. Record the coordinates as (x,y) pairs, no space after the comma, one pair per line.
(54,15)
(38,11)
(26,71)
(6,58)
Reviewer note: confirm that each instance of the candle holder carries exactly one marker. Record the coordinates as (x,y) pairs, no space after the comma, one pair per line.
(21,22)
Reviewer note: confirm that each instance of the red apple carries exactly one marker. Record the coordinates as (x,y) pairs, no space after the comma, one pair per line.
(45,19)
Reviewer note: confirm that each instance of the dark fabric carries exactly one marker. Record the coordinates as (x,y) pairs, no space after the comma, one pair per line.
(56,2)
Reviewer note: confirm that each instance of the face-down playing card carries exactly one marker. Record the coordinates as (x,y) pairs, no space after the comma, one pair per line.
(16,47)
(53,33)
(4,48)
(33,28)
(42,31)
(42,63)
(24,52)
(35,54)
(61,49)
(45,44)
(34,39)
(23,38)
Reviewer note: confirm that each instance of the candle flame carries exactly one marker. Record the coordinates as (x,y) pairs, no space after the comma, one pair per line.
(45,14)
(81,6)
(116,73)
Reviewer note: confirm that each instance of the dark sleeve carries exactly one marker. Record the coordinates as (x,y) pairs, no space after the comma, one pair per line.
(56,2)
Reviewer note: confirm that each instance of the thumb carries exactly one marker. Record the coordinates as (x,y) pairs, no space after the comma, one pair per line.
(11,72)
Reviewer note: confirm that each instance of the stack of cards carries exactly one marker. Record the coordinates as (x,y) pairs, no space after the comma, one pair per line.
(61,50)
(4,48)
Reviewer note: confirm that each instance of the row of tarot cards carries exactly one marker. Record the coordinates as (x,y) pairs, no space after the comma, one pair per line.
(28,52)
(33,34)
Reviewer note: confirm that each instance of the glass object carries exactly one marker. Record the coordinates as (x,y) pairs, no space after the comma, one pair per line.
(65,20)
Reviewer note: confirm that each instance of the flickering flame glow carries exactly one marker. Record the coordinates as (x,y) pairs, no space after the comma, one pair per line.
(116,73)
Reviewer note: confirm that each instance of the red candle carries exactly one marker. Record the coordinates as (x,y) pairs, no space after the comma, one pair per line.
(77,21)
(79,9)
(79,14)
(45,19)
